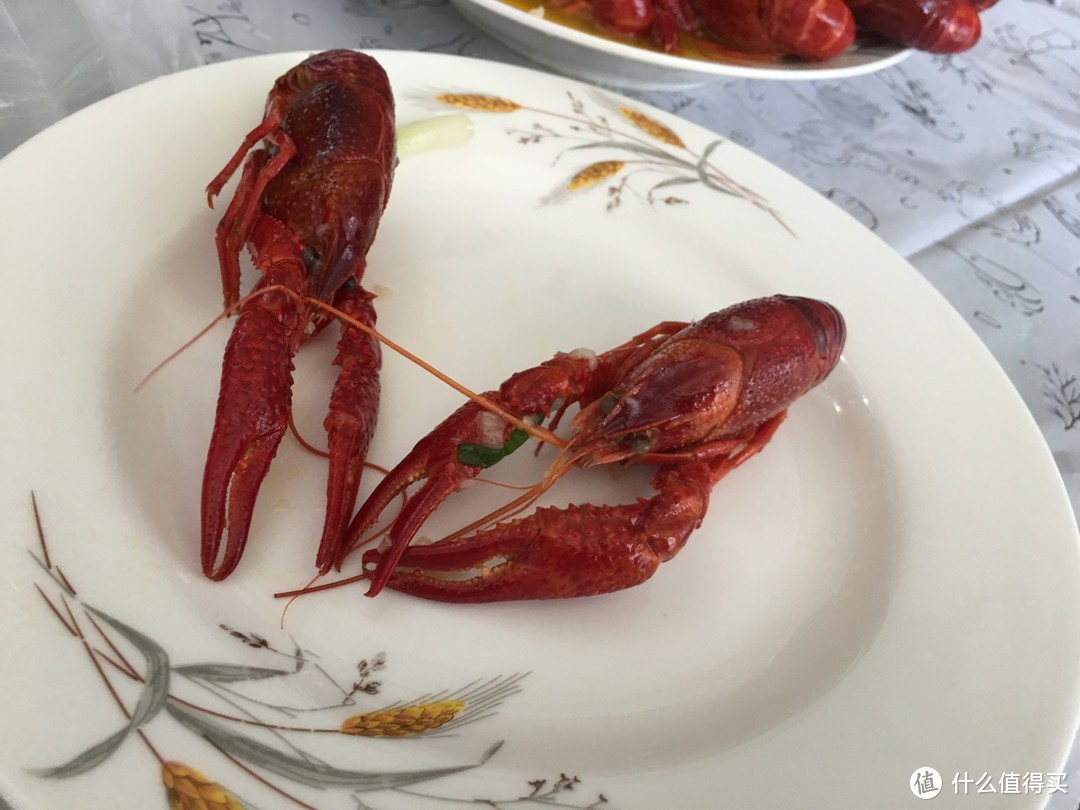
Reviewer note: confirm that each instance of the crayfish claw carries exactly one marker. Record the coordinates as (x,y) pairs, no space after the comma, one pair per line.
(252,414)
(416,511)
(551,554)
(228,503)
(350,422)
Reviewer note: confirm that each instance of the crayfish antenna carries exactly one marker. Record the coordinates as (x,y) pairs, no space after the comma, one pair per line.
(227,312)
(535,431)
(557,470)
(311,588)
(315,451)
(293,596)
(187,344)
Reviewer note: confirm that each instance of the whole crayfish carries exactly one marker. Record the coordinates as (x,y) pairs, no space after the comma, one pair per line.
(695,399)
(307,206)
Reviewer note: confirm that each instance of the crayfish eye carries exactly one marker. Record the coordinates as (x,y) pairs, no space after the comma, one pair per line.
(310,259)
(640,444)
(608,403)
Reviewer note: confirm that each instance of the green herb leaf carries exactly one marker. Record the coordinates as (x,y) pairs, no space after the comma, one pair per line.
(478,455)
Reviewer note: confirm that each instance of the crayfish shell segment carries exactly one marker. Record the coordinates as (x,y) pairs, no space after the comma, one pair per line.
(790,345)
(679,396)
(718,378)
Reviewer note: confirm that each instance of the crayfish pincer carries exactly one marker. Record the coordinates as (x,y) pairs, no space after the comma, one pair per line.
(307,206)
(697,400)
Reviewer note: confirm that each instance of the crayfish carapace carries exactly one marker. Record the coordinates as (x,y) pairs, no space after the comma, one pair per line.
(697,400)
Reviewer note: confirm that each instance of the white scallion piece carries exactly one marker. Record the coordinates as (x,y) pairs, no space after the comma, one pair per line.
(440,132)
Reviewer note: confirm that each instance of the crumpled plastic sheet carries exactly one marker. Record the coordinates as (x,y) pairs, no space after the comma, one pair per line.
(57,56)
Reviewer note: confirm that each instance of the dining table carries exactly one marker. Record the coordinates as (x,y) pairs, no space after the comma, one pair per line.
(967,165)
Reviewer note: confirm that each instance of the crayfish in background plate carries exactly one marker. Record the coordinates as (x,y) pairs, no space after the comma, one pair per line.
(768,30)
(307,207)
(695,399)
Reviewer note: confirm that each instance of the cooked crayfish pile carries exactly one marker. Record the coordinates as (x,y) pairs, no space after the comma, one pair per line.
(768,30)
(694,399)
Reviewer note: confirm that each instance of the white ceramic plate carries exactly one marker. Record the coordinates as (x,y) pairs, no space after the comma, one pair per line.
(891,585)
(594,58)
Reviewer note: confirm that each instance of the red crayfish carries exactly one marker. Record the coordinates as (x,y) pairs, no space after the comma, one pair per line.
(810,29)
(695,399)
(307,207)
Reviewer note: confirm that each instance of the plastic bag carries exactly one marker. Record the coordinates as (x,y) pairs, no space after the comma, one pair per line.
(57,56)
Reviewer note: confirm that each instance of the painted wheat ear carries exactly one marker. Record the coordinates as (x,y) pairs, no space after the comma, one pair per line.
(652,127)
(479,102)
(187,789)
(589,176)
(404,721)
(594,173)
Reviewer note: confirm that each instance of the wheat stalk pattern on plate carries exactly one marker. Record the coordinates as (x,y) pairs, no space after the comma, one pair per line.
(257,739)
(653,161)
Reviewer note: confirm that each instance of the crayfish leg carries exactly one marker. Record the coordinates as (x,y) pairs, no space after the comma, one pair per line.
(229,240)
(238,221)
(275,111)
(350,422)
